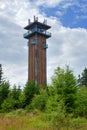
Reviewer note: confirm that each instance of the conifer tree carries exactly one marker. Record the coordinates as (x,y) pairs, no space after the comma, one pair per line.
(65,84)
(1,73)
(83,78)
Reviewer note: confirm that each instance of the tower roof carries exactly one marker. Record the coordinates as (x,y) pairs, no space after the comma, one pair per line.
(39,25)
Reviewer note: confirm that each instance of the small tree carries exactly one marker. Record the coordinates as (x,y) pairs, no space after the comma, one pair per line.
(1,73)
(8,105)
(82,80)
(15,92)
(15,95)
(65,84)
(81,102)
(4,91)
(30,89)
(12,101)
(39,101)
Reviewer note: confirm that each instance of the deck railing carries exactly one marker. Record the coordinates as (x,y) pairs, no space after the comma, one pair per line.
(38,31)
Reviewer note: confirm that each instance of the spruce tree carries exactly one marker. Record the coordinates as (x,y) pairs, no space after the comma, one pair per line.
(65,84)
(1,73)
(83,78)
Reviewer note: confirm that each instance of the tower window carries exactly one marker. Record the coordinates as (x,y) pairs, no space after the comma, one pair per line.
(45,45)
(34,41)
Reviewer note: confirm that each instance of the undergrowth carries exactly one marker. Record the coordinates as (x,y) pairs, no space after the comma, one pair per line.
(37,120)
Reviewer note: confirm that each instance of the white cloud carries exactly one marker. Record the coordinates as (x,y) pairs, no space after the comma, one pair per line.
(2,6)
(67,46)
(51,3)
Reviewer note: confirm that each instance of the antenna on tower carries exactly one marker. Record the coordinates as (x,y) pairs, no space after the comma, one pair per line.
(45,21)
(28,21)
(35,18)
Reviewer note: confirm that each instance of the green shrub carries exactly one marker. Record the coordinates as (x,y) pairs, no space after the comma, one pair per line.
(52,103)
(39,101)
(4,91)
(21,99)
(79,123)
(65,83)
(81,102)
(30,90)
(8,105)
(59,115)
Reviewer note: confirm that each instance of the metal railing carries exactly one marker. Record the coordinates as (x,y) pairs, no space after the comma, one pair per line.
(37,30)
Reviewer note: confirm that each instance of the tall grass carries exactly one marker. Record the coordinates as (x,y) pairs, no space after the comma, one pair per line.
(20,120)
(36,120)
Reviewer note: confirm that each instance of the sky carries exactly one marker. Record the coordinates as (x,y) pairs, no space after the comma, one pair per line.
(67,46)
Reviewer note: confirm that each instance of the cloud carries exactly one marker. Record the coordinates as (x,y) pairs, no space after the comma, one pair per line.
(47,3)
(67,46)
(80,9)
(2,6)
(13,52)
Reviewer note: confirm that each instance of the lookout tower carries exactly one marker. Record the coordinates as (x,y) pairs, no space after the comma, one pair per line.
(36,36)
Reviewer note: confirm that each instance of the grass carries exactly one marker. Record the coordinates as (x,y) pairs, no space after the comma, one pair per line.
(22,120)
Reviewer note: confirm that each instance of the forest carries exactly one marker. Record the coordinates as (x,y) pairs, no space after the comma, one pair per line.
(62,105)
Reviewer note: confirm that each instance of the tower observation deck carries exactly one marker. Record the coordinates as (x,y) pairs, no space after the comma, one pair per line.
(36,35)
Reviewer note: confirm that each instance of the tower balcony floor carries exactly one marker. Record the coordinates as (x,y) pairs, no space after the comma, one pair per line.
(30,33)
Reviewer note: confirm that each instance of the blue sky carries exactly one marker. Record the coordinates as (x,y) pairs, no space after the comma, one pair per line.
(71,14)
(68,44)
